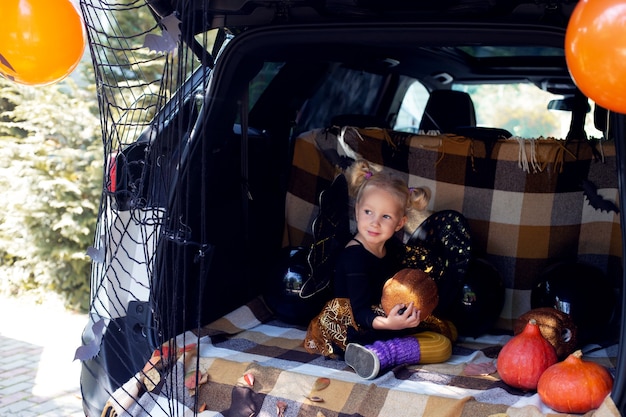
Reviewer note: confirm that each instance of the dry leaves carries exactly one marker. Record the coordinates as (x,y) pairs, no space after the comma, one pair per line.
(281,407)
(482,368)
(321,383)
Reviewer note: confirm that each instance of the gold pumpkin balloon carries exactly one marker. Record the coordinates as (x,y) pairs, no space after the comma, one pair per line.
(411,285)
(556,327)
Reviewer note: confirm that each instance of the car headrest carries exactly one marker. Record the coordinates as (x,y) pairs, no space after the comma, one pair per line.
(486,134)
(448,109)
(360,120)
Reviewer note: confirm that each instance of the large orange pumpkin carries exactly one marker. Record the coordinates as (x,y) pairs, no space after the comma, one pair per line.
(525,357)
(574,385)
(411,285)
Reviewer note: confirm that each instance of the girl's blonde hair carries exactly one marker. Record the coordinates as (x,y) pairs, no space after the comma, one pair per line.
(419,197)
(362,174)
(417,211)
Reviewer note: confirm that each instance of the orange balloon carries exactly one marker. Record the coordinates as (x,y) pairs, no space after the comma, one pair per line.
(41,41)
(595,51)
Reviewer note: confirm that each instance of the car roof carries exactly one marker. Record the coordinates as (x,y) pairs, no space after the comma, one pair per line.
(457,37)
(248,13)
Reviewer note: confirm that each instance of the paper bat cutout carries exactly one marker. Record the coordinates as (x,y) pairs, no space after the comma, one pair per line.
(172,25)
(91,349)
(160,43)
(96,255)
(590,191)
(168,40)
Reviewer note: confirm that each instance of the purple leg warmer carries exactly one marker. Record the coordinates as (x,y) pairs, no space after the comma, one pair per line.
(398,351)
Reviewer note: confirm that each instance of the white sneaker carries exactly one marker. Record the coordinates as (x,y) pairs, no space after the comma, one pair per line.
(364,362)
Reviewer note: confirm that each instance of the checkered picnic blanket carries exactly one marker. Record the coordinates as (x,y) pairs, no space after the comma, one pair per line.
(523,198)
(248,342)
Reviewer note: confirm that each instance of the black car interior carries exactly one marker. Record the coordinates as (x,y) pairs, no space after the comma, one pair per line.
(228,149)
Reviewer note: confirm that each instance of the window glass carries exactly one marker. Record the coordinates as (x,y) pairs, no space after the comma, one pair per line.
(258,85)
(260,82)
(412,108)
(344,91)
(522,109)
(493,51)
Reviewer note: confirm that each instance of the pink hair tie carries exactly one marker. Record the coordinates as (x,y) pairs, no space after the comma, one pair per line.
(368,175)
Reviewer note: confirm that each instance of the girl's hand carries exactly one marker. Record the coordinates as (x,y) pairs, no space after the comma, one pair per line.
(398,319)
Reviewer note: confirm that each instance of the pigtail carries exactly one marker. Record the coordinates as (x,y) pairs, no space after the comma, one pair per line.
(419,197)
(357,173)
(417,211)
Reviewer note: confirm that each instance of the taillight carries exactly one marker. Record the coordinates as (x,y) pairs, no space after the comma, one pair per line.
(112,173)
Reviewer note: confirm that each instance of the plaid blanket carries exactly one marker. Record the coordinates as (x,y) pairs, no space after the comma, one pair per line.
(523,198)
(251,365)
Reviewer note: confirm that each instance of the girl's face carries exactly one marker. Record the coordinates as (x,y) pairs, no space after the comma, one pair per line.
(379,214)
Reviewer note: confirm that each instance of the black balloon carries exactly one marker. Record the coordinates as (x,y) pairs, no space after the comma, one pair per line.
(282,295)
(479,299)
(583,292)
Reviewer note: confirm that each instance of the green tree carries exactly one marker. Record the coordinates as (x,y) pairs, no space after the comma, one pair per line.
(51,176)
(54,139)
(519,108)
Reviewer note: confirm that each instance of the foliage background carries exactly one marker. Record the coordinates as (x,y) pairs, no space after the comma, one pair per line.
(51,181)
(52,155)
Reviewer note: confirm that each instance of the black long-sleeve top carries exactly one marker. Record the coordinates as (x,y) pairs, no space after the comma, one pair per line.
(360,276)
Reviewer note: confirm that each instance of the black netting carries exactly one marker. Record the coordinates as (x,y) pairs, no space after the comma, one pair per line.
(150,90)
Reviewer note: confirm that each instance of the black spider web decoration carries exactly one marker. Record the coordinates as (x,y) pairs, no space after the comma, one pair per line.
(140,62)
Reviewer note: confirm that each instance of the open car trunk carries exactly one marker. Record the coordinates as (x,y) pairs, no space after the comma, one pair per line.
(223,124)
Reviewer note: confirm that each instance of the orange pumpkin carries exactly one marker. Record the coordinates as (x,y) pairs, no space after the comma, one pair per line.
(525,357)
(574,385)
(410,285)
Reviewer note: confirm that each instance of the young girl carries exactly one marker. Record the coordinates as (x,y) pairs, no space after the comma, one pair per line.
(352,322)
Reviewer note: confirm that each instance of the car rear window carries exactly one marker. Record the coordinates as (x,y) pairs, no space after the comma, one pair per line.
(520,108)
(343,91)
